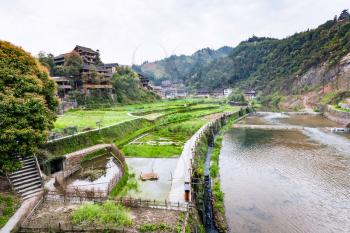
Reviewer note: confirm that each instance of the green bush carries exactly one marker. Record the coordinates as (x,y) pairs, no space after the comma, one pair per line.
(107,214)
(151,151)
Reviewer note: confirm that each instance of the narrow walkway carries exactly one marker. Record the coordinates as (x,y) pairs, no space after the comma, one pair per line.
(182,170)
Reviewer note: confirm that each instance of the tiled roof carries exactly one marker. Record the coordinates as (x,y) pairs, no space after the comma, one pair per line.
(85,48)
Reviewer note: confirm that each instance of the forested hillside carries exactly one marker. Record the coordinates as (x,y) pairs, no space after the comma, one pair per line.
(265,64)
(179,68)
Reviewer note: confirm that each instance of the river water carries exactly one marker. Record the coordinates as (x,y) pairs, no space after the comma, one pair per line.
(286,181)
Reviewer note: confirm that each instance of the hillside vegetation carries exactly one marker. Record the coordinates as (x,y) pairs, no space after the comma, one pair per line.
(178,68)
(266,64)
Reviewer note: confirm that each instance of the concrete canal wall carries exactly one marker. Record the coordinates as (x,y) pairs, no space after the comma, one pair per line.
(337,116)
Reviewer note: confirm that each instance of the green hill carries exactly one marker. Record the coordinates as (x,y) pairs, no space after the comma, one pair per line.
(274,67)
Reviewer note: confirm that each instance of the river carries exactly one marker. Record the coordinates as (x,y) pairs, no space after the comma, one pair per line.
(286,180)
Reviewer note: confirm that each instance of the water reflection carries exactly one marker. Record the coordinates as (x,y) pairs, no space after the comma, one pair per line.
(285,181)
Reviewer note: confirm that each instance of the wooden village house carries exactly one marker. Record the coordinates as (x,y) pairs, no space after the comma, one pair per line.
(94,75)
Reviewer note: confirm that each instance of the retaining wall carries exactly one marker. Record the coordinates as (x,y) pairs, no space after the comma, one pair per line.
(337,116)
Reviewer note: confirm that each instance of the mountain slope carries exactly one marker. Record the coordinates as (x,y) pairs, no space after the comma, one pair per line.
(178,68)
(274,67)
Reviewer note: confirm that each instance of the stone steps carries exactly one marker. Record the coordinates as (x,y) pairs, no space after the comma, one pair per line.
(26,181)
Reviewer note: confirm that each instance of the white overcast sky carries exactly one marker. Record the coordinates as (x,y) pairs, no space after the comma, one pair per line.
(127,31)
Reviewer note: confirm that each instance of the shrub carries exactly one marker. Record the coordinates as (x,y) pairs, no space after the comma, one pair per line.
(108,214)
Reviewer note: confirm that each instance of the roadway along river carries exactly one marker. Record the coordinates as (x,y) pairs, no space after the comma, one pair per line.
(286,180)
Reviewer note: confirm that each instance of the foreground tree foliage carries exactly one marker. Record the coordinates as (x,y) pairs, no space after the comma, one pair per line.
(27,105)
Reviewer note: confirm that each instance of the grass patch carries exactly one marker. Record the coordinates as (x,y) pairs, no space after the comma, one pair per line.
(84,119)
(152,227)
(8,205)
(151,151)
(107,214)
(180,131)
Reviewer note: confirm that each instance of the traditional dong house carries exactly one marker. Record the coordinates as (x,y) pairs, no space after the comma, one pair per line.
(218,93)
(144,81)
(88,55)
(203,92)
(64,86)
(249,95)
(93,74)
(158,90)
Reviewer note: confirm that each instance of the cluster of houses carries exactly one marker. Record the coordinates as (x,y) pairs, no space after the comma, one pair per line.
(170,90)
(92,66)
(86,82)
(217,93)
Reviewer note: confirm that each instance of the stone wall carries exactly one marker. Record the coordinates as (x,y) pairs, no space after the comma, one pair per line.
(72,161)
(337,116)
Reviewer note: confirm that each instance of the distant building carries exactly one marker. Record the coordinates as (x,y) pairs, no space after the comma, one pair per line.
(203,92)
(249,95)
(111,67)
(181,93)
(170,93)
(227,92)
(144,81)
(93,74)
(59,60)
(88,55)
(64,86)
(217,93)
(158,90)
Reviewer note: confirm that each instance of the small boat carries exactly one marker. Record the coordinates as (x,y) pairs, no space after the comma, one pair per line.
(149,176)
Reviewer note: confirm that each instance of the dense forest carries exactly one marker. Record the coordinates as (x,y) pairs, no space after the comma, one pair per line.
(266,64)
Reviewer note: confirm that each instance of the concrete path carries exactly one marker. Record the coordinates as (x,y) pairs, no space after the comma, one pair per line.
(182,170)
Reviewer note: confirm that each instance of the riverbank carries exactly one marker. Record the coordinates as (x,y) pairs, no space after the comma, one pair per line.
(198,176)
(341,117)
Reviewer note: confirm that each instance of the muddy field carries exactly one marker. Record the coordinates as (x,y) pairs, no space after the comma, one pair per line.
(53,214)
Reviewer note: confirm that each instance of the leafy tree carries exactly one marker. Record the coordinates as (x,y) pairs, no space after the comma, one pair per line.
(48,61)
(127,86)
(73,64)
(27,105)
(237,96)
(92,76)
